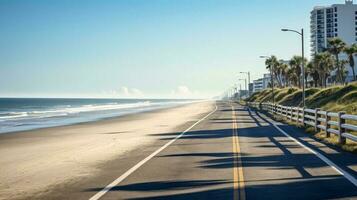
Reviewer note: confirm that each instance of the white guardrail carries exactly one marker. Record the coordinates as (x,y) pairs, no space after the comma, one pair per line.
(329,122)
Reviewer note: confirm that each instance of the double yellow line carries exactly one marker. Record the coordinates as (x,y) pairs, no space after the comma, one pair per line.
(238,178)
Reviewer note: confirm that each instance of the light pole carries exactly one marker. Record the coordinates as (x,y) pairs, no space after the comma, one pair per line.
(302,64)
(271,77)
(248,73)
(240,91)
(245,82)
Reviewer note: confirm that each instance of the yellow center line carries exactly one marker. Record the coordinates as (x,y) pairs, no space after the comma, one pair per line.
(238,178)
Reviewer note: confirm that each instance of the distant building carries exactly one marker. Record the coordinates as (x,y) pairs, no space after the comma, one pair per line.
(262,83)
(337,20)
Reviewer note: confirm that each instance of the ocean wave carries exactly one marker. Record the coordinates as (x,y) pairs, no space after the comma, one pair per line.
(70,110)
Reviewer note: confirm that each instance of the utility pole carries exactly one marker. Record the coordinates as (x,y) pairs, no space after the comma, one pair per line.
(245,83)
(302,62)
(248,73)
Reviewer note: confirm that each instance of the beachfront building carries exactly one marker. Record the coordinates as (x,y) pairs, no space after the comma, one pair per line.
(337,20)
(262,83)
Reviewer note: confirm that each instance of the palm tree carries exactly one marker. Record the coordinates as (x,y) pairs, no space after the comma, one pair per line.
(311,70)
(284,74)
(292,76)
(336,46)
(271,64)
(296,63)
(351,51)
(324,63)
(279,72)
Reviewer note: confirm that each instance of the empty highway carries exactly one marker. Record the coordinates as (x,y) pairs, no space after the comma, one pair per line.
(230,153)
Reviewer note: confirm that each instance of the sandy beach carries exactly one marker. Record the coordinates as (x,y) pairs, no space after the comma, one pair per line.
(33,162)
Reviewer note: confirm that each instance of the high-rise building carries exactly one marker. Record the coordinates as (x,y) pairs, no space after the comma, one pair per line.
(337,20)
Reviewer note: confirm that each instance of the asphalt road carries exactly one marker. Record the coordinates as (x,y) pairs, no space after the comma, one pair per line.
(233,153)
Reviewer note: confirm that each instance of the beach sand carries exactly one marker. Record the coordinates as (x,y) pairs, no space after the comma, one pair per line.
(33,162)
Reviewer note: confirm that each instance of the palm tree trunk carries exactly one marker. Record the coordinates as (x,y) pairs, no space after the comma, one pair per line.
(339,73)
(325,81)
(354,73)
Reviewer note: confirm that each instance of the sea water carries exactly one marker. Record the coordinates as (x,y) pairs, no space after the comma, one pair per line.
(19,114)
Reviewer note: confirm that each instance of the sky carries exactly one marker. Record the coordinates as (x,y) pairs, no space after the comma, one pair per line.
(143,48)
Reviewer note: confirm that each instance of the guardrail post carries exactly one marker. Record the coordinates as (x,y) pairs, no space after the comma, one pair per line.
(316,118)
(291,114)
(303,116)
(341,139)
(288,112)
(327,119)
(282,110)
(298,114)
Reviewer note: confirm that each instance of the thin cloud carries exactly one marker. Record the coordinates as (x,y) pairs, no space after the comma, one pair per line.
(181,91)
(130,92)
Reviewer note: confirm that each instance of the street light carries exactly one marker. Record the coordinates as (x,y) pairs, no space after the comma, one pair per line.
(271,78)
(245,82)
(248,73)
(240,91)
(303,64)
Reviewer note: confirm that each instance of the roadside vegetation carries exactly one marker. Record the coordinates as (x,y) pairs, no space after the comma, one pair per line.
(334,98)
(325,67)
(322,70)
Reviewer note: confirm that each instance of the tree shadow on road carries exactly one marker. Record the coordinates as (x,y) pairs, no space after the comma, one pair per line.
(274,152)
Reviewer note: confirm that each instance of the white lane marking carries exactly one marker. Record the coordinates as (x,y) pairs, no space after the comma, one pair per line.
(139,164)
(339,170)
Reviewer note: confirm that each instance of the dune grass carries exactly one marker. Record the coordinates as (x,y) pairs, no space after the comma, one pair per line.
(335,98)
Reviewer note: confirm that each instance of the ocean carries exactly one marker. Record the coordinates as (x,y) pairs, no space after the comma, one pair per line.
(20,114)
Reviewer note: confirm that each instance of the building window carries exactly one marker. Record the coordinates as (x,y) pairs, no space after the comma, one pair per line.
(356,28)
(335,15)
(335,29)
(335,24)
(356,12)
(336,34)
(335,20)
(335,9)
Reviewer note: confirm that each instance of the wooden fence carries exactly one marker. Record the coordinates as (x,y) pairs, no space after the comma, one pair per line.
(338,123)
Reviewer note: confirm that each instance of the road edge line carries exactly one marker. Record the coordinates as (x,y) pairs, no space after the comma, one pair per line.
(142,162)
(319,155)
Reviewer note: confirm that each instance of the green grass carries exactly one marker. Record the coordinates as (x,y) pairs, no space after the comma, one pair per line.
(335,98)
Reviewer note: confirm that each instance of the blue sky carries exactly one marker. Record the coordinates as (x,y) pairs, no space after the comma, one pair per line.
(142,48)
